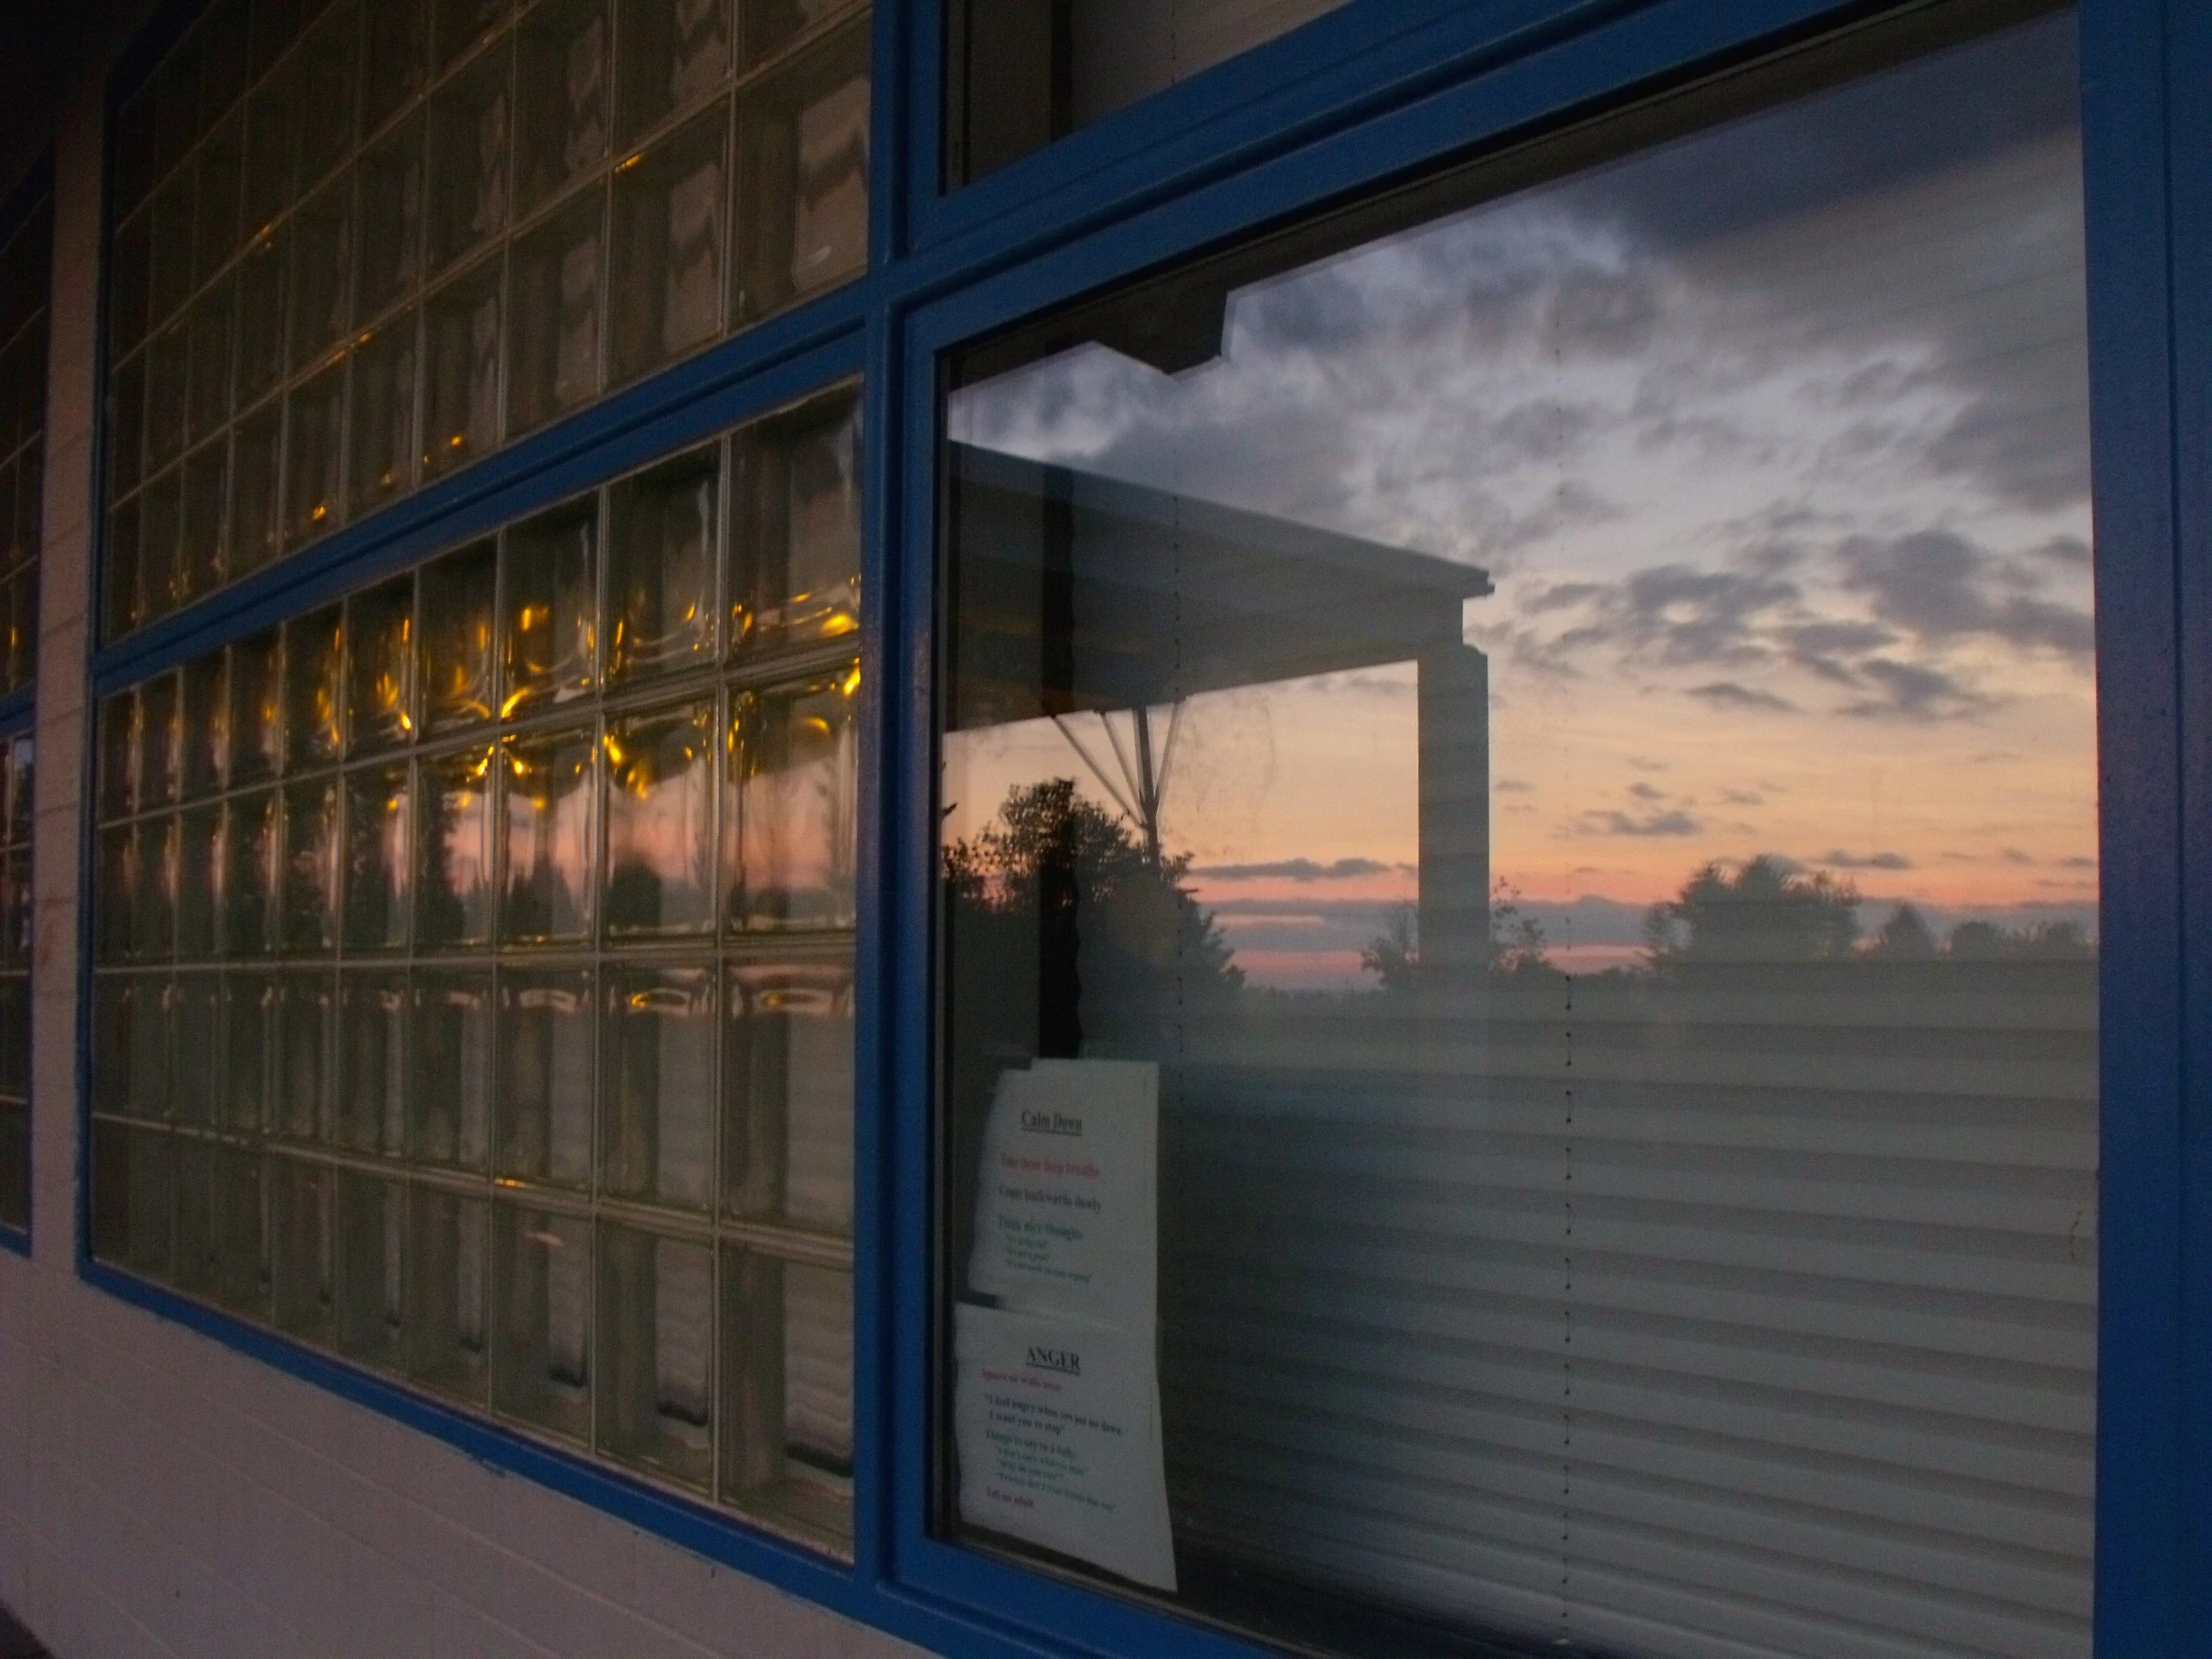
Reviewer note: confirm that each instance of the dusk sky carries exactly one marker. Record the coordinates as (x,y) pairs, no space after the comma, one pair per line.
(1784,490)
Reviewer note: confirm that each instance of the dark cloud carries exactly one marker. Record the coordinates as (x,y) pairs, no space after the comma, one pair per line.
(1909,691)
(1742,798)
(2078,863)
(1620,823)
(1729,694)
(1836,859)
(1296,870)
(1511,786)
(1679,614)
(2014,855)
(1936,585)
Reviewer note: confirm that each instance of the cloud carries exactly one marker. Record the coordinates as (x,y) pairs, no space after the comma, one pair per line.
(2014,855)
(1511,786)
(1620,823)
(2078,863)
(1296,870)
(1742,798)
(1934,585)
(1676,613)
(1645,792)
(1729,694)
(1910,691)
(1836,859)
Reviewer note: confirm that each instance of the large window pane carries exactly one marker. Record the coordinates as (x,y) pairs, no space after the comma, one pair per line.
(1519,899)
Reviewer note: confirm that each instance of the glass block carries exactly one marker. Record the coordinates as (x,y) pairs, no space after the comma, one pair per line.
(789,806)
(322,273)
(315,435)
(154,903)
(657,1130)
(195,1264)
(204,726)
(547,831)
(149,1034)
(272,119)
(249,871)
(550,596)
(260,317)
(209,403)
(206,484)
(254,703)
(384,444)
(127,427)
(660,802)
(114,1002)
(460,368)
(224,58)
(303,1021)
(786,1076)
(168,388)
(198,882)
(448,1271)
(656,1354)
(376,869)
(241,1250)
(313,652)
(276,24)
(133,171)
(172,236)
(670,237)
(116,891)
(794,543)
(257,525)
(395,58)
(541,1313)
(15,1165)
(151,1203)
(468,159)
(392,205)
(199,1010)
(543,1108)
(768,26)
(329,67)
(248,1007)
(216,231)
(158,739)
(118,755)
(309,924)
(461,24)
(787,1393)
(380,696)
(801,176)
(561,92)
(160,540)
(555,302)
(450,1046)
(22,626)
(16,911)
(176,104)
(371,1113)
(22,787)
(454,887)
(459,593)
(669,54)
(299,1249)
(661,567)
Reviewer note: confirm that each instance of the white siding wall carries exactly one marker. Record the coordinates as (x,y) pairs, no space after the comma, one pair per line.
(162,1495)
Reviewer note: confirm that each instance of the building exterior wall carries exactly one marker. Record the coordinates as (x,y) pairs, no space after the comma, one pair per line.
(161,1494)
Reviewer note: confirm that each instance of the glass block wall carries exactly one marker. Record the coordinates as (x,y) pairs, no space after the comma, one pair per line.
(26,261)
(361,243)
(474,985)
(15,981)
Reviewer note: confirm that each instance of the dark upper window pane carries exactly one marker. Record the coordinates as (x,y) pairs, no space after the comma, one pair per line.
(1519,898)
(1022,73)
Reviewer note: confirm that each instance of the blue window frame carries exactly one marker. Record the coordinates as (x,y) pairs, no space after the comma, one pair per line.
(1357,100)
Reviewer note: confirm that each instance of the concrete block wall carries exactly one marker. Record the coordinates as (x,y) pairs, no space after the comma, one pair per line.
(164,1498)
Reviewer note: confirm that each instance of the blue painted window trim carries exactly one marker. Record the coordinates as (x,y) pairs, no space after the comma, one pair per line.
(1363,95)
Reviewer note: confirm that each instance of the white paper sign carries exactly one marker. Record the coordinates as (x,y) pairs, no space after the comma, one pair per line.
(1068,1205)
(1057,1421)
